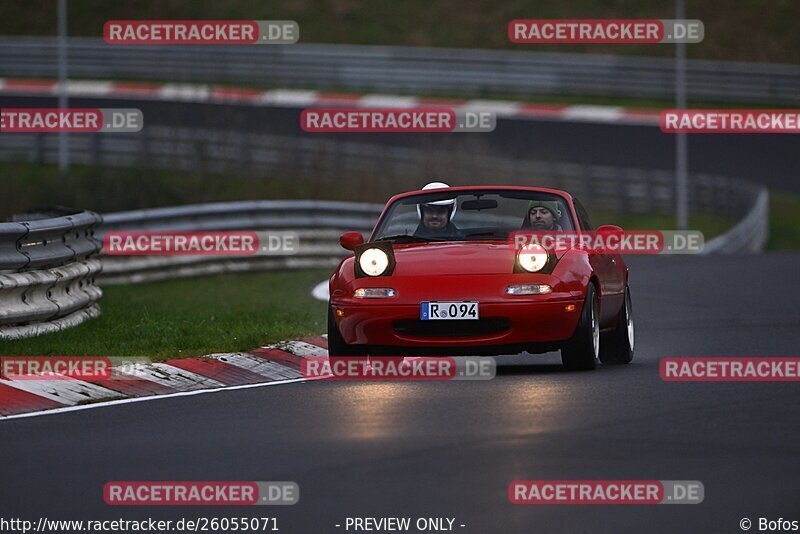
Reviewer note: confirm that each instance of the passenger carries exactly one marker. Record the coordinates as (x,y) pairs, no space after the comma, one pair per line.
(542,215)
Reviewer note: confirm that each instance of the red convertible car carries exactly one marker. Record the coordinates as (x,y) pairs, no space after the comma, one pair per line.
(439,276)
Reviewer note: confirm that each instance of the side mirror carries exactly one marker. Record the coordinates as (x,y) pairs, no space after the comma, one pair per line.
(607,229)
(350,240)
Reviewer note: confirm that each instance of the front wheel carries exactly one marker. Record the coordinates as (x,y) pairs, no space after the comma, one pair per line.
(336,345)
(581,353)
(617,346)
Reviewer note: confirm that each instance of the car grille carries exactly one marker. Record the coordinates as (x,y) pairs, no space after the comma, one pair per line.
(453,328)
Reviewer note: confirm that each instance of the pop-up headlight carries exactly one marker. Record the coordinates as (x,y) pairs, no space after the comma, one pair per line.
(374,259)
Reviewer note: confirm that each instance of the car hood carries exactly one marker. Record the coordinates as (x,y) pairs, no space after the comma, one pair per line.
(454,258)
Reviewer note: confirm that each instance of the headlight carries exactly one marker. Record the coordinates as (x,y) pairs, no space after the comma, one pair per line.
(373,262)
(532,257)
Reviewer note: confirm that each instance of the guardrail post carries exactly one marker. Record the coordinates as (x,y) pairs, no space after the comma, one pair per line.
(681,141)
(63,137)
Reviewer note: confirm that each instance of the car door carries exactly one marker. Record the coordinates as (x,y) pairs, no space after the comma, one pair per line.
(605,267)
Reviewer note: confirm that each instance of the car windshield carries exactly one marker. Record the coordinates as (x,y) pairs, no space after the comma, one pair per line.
(472,215)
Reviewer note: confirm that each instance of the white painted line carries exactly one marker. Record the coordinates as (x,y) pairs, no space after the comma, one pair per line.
(88,87)
(292,97)
(321,291)
(387,101)
(68,391)
(302,349)
(261,366)
(593,113)
(182,91)
(145,399)
(501,108)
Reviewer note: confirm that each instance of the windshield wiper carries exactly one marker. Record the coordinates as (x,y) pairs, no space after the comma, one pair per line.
(406,238)
(500,234)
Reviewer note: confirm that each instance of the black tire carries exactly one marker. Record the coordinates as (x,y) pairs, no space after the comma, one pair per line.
(336,345)
(617,346)
(581,353)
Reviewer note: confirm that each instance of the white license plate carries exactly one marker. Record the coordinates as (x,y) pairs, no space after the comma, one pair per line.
(429,311)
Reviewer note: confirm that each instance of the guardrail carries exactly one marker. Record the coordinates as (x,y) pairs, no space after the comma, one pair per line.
(749,235)
(48,241)
(319,225)
(247,215)
(409,69)
(47,275)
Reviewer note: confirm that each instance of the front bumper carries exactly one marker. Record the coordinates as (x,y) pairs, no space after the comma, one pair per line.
(505,320)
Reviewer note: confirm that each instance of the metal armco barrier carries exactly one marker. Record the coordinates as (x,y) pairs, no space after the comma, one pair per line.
(317,223)
(409,69)
(38,241)
(749,234)
(47,275)
(247,215)
(313,220)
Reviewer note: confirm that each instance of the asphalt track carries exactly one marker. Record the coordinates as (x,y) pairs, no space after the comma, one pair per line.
(451,449)
(770,160)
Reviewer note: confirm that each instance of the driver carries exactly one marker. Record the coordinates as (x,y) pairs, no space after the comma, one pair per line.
(542,215)
(436,218)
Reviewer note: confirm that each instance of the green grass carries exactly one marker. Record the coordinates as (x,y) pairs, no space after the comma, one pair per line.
(191,317)
(107,189)
(741,30)
(784,222)
(710,226)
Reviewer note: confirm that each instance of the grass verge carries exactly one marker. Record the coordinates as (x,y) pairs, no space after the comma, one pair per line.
(784,222)
(710,226)
(191,317)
